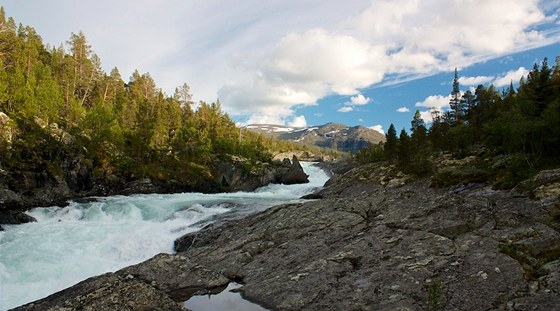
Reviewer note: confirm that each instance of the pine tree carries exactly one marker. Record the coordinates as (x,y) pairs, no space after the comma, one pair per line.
(456,103)
(405,149)
(390,146)
(418,130)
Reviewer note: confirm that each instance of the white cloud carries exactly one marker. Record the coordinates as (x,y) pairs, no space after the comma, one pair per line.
(345,109)
(263,119)
(378,128)
(403,109)
(397,40)
(298,121)
(435,104)
(264,59)
(470,81)
(511,76)
(359,100)
(427,115)
(438,102)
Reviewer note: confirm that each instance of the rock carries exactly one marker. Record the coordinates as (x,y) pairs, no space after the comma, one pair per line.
(15,218)
(9,199)
(292,172)
(106,292)
(183,243)
(339,166)
(545,184)
(236,175)
(144,185)
(365,245)
(177,276)
(7,128)
(11,208)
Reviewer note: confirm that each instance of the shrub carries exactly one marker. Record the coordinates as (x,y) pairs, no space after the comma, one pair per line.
(452,175)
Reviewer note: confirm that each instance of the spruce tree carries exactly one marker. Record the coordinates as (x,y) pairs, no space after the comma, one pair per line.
(456,103)
(391,144)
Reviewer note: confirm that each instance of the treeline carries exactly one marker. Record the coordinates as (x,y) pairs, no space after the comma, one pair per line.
(58,104)
(514,132)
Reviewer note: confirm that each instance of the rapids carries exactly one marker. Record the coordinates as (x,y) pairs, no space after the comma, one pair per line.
(87,238)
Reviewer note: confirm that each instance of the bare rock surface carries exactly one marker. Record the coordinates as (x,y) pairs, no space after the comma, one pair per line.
(377,240)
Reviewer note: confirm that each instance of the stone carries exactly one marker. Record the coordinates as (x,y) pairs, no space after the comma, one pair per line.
(292,172)
(106,292)
(363,245)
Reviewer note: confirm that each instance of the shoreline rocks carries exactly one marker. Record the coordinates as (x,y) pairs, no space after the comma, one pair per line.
(368,244)
(79,182)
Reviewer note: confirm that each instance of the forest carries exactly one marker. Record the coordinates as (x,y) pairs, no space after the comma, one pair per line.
(58,106)
(510,133)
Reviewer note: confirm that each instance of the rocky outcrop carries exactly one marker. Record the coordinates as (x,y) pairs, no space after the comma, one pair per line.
(291,172)
(375,241)
(238,175)
(36,186)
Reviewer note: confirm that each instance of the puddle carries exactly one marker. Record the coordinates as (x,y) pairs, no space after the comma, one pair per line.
(226,300)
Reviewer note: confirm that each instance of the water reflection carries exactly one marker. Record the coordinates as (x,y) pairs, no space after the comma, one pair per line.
(226,300)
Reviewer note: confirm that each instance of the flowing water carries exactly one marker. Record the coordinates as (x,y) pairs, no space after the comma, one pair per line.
(67,245)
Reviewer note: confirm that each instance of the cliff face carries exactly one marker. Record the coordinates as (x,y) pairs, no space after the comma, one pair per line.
(376,240)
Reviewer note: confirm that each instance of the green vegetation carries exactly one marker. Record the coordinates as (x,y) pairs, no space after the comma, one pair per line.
(513,133)
(58,106)
(436,295)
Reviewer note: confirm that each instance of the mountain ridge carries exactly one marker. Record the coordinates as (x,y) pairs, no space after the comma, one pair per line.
(330,135)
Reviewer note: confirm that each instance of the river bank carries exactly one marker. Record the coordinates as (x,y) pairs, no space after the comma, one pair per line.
(79,182)
(370,242)
(102,234)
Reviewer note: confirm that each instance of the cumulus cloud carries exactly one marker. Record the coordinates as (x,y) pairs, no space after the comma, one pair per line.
(298,121)
(403,109)
(475,81)
(346,109)
(358,100)
(435,104)
(511,76)
(303,68)
(389,40)
(264,60)
(438,102)
(378,128)
(500,81)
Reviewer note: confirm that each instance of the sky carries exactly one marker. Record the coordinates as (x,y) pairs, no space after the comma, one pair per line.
(304,63)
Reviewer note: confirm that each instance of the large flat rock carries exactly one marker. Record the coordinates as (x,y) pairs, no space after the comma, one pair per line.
(368,244)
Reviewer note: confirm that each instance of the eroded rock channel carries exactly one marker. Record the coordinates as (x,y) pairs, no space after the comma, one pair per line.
(368,243)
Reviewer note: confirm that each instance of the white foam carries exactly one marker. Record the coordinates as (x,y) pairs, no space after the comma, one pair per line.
(70,244)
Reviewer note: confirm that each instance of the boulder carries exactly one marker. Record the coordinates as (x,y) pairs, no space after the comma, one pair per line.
(240,175)
(9,199)
(291,172)
(106,292)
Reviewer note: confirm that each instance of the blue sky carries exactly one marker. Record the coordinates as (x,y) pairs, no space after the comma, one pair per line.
(360,62)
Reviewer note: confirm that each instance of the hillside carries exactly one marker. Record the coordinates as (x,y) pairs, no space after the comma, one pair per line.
(331,135)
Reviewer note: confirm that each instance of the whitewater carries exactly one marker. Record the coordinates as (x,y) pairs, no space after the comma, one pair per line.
(69,244)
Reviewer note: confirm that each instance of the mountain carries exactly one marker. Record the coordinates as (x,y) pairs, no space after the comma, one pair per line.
(331,135)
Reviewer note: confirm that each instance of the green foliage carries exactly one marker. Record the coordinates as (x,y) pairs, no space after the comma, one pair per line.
(391,143)
(132,128)
(371,154)
(436,295)
(511,170)
(453,175)
(522,127)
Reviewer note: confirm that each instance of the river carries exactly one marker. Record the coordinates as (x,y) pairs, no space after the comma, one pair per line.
(67,245)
